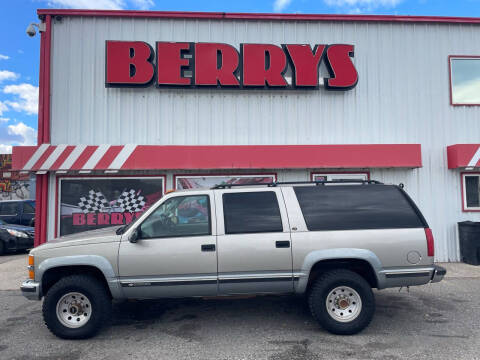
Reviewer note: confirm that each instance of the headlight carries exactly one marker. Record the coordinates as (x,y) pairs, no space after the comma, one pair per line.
(31,267)
(17,233)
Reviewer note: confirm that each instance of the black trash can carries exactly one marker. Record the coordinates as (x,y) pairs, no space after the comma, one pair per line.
(469,237)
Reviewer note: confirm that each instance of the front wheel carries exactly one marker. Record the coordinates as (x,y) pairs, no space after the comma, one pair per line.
(76,307)
(342,302)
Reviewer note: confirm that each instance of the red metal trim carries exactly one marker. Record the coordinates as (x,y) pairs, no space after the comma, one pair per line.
(43,134)
(274,174)
(462,174)
(313,173)
(259,16)
(57,192)
(450,57)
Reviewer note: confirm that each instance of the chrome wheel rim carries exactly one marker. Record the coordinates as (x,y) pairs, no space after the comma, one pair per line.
(343,304)
(74,310)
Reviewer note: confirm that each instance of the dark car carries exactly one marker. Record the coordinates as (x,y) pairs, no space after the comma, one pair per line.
(15,237)
(20,212)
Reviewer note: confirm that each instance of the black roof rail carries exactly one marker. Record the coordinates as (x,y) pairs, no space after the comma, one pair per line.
(273,184)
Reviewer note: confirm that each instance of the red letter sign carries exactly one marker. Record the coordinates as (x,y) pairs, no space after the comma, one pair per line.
(263,64)
(215,63)
(342,71)
(305,64)
(129,63)
(170,63)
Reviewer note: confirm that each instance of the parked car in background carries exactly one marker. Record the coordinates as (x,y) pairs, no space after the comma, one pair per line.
(15,237)
(20,212)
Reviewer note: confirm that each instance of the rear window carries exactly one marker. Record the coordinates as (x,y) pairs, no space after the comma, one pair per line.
(344,207)
(251,212)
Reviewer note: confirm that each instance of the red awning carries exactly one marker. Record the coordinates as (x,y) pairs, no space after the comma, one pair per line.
(463,156)
(85,158)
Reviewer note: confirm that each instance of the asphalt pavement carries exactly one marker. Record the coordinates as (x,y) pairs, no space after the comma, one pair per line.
(435,321)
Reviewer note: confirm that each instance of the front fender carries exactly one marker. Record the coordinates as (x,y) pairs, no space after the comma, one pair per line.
(335,254)
(96,261)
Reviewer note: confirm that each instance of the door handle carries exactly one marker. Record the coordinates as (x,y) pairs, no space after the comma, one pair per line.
(282,244)
(208,247)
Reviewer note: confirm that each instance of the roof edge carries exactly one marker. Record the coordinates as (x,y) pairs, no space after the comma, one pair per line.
(259,16)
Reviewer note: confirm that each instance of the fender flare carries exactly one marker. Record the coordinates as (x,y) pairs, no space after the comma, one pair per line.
(338,254)
(96,261)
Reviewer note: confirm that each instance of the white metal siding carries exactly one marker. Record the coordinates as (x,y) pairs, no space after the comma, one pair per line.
(402,97)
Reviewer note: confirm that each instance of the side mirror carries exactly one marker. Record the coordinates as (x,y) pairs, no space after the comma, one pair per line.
(134,236)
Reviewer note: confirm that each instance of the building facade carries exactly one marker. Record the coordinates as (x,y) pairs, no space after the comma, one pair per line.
(133,104)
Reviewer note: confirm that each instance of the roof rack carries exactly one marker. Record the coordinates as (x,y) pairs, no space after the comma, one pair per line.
(273,184)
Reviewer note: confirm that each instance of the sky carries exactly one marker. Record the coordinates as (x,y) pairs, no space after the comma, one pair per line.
(20,54)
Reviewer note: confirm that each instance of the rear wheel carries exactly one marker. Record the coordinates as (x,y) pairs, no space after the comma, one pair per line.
(76,307)
(342,302)
(2,247)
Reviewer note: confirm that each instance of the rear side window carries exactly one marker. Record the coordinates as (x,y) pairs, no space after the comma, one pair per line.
(356,207)
(251,212)
(9,208)
(28,208)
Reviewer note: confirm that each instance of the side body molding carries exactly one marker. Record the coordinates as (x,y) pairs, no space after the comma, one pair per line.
(96,261)
(338,254)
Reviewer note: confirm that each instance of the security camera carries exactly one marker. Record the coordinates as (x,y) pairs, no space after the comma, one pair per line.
(31,31)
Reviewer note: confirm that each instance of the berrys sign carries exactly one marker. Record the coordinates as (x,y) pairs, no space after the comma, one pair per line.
(196,65)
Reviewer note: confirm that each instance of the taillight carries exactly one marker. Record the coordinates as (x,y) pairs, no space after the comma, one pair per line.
(430,242)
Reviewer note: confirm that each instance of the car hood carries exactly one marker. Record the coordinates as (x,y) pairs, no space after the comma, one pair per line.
(103,235)
(18,227)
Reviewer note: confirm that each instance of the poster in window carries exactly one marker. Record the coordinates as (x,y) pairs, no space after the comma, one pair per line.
(209,181)
(94,203)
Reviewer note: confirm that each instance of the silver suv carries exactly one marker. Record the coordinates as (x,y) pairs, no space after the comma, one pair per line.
(332,241)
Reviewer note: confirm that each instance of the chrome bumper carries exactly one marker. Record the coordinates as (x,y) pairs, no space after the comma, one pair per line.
(438,273)
(31,290)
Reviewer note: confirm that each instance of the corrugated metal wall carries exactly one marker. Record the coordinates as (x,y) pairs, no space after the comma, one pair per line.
(402,97)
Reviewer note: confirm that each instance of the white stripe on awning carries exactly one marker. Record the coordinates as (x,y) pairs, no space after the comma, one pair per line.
(122,156)
(95,157)
(475,159)
(53,157)
(36,156)
(69,161)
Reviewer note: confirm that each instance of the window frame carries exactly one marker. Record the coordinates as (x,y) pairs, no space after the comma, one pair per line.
(465,208)
(210,232)
(454,57)
(251,232)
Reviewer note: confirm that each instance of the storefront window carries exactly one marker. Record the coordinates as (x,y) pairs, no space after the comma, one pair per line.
(471,192)
(93,203)
(465,80)
(208,181)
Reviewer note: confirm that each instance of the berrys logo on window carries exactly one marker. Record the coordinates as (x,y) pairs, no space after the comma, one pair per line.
(197,65)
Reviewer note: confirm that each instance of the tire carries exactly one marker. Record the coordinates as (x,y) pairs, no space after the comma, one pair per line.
(76,307)
(351,303)
(2,247)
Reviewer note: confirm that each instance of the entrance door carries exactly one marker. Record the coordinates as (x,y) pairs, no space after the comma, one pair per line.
(254,248)
(175,254)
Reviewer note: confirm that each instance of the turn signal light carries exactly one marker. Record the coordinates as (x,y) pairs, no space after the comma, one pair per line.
(430,242)
(31,267)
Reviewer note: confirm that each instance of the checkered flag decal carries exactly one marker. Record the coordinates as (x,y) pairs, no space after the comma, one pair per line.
(95,202)
(130,202)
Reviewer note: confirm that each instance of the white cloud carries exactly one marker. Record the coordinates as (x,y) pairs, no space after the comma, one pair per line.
(27,133)
(5,149)
(359,6)
(143,4)
(4,57)
(88,4)
(467,92)
(3,108)
(102,4)
(279,5)
(4,120)
(27,98)
(8,75)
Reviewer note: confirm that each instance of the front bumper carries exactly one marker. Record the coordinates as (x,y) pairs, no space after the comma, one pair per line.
(31,290)
(438,273)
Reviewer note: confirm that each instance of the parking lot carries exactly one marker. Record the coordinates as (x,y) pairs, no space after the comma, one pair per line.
(437,321)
